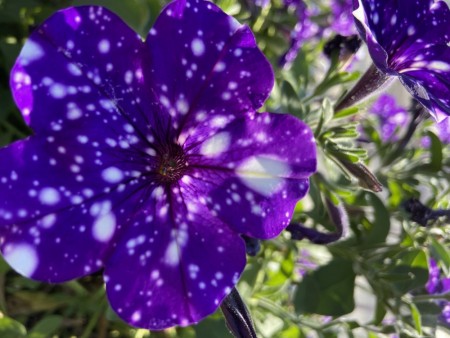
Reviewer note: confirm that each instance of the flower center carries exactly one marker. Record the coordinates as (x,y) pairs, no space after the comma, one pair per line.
(172,164)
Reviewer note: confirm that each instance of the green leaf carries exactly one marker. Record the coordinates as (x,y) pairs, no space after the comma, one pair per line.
(380,226)
(46,327)
(346,112)
(327,290)
(409,272)
(343,131)
(440,252)
(416,318)
(435,152)
(380,312)
(335,79)
(9,328)
(325,116)
(429,313)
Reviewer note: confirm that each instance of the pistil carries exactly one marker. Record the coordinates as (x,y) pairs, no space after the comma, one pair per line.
(172,164)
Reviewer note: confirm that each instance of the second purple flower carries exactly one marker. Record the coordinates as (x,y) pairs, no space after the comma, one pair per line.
(410,39)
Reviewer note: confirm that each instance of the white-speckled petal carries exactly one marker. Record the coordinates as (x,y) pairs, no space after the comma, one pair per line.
(254,171)
(215,66)
(175,267)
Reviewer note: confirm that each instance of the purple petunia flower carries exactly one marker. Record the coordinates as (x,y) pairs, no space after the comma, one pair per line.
(410,39)
(148,159)
(390,115)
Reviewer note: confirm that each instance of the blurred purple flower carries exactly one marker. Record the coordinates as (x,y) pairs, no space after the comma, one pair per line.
(445,316)
(303,30)
(443,132)
(443,128)
(294,3)
(425,142)
(433,277)
(341,18)
(340,21)
(437,284)
(390,115)
(262,3)
(305,263)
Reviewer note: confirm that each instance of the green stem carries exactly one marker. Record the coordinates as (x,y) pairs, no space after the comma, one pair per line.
(76,287)
(94,319)
(400,147)
(320,87)
(261,19)
(427,298)
(282,313)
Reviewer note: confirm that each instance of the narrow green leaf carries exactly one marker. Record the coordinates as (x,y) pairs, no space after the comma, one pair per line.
(325,116)
(380,312)
(430,312)
(416,318)
(346,112)
(440,252)
(435,152)
(381,220)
